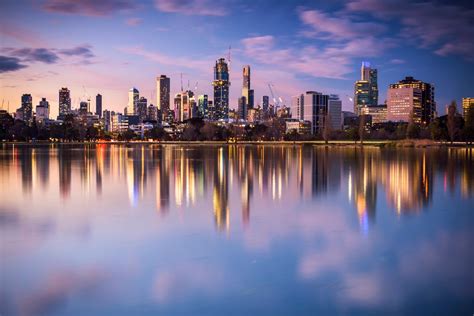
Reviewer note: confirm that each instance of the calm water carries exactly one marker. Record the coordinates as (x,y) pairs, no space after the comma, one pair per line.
(235,230)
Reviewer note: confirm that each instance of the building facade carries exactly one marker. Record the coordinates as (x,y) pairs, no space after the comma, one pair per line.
(404,104)
(366,91)
(133,97)
(163,89)
(427,102)
(221,85)
(26,109)
(467,107)
(203,109)
(335,112)
(64,102)
(42,111)
(142,109)
(378,113)
(98,105)
(313,107)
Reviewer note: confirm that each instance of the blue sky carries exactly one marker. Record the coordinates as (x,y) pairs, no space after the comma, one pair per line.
(111,45)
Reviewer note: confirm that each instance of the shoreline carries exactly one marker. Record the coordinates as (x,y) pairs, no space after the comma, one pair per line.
(419,143)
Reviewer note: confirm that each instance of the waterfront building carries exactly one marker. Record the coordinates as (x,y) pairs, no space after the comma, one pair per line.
(163,88)
(153,113)
(423,102)
(378,113)
(242,109)
(98,105)
(185,106)
(265,106)
(366,91)
(335,112)
(64,102)
(221,85)
(42,111)
(141,109)
(311,106)
(25,112)
(467,107)
(203,103)
(133,97)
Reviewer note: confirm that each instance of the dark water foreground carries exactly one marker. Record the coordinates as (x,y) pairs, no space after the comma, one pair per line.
(235,230)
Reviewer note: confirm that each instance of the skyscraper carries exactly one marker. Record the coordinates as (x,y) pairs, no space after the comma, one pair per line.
(141,109)
(133,96)
(221,85)
(246,91)
(335,112)
(185,106)
(163,96)
(242,109)
(366,92)
(203,106)
(26,107)
(311,106)
(64,101)
(98,105)
(265,105)
(426,113)
(467,107)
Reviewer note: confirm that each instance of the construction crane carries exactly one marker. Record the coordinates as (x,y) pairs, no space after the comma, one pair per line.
(276,100)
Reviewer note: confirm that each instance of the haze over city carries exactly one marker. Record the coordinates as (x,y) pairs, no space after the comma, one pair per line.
(107,47)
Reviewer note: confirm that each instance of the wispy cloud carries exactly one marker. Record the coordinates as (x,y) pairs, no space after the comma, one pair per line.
(446,28)
(19,57)
(192,7)
(134,21)
(88,7)
(10,64)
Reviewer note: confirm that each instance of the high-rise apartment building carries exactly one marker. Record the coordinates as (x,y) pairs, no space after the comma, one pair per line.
(133,96)
(419,96)
(221,85)
(141,109)
(64,101)
(185,106)
(366,92)
(163,88)
(404,104)
(378,113)
(98,105)
(26,109)
(247,92)
(242,109)
(42,111)
(428,105)
(203,106)
(335,112)
(311,106)
(467,107)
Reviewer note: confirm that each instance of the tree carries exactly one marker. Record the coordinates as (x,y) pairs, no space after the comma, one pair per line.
(413,129)
(453,130)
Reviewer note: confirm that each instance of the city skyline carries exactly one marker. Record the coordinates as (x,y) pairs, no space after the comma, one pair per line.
(319,47)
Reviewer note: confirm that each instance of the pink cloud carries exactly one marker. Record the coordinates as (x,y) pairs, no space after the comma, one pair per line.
(88,7)
(134,21)
(192,7)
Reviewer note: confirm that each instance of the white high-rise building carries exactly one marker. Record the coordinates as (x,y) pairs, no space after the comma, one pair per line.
(311,106)
(133,97)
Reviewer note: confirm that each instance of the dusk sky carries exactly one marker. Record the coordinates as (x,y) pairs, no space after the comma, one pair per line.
(109,46)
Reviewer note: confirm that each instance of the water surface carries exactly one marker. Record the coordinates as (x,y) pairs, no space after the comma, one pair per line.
(235,230)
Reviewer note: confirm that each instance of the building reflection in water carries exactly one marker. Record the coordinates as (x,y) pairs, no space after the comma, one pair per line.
(248,174)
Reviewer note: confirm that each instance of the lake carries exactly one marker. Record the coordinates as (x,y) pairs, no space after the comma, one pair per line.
(235,230)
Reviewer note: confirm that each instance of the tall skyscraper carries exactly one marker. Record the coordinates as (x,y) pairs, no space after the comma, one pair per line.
(246,91)
(64,101)
(242,109)
(335,112)
(26,107)
(185,106)
(467,107)
(311,106)
(98,105)
(366,92)
(203,106)
(221,85)
(141,109)
(133,96)
(416,96)
(163,89)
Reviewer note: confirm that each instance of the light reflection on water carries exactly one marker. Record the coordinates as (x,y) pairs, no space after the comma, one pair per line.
(215,230)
